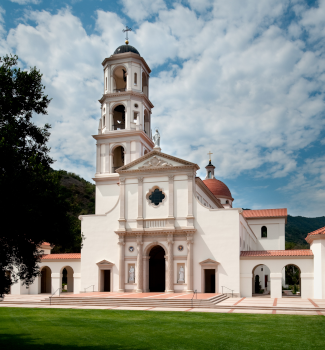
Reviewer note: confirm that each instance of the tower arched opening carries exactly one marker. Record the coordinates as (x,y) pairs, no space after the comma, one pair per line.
(144,84)
(147,122)
(46,280)
(118,158)
(120,79)
(291,281)
(119,118)
(67,279)
(261,284)
(157,269)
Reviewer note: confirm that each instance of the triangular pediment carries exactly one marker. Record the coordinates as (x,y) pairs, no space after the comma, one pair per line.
(156,160)
(208,262)
(104,262)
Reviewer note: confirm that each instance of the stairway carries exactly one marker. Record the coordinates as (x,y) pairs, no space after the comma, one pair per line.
(136,302)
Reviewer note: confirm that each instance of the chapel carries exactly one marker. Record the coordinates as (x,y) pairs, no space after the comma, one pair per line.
(159,227)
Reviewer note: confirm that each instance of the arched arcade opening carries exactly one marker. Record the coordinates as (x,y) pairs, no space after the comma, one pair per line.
(261,283)
(67,279)
(157,269)
(46,280)
(291,281)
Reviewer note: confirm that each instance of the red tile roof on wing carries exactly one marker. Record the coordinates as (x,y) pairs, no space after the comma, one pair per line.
(61,256)
(46,243)
(265,213)
(267,253)
(320,231)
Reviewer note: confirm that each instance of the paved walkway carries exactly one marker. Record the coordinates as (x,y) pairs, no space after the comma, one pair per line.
(231,305)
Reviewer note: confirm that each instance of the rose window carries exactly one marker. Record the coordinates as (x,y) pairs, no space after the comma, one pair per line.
(156,197)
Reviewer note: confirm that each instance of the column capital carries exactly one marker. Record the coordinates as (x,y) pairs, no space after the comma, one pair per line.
(121,243)
(171,177)
(140,179)
(122,180)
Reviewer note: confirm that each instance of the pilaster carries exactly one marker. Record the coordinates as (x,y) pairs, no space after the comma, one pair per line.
(190,263)
(122,204)
(139,264)
(170,265)
(140,203)
(97,158)
(121,264)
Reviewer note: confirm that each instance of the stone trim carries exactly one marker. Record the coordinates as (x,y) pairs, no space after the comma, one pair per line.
(276,257)
(152,204)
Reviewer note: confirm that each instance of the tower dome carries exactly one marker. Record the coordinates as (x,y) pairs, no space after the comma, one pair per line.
(126,48)
(217,187)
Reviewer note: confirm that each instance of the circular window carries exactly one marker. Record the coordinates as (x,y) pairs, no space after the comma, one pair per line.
(180,248)
(131,249)
(136,105)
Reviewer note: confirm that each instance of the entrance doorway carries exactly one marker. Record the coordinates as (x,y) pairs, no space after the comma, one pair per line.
(107,280)
(210,280)
(157,269)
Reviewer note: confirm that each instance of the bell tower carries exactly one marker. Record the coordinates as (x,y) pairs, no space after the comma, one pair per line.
(124,130)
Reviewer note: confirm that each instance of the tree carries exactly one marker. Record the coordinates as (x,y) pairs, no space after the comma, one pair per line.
(32,206)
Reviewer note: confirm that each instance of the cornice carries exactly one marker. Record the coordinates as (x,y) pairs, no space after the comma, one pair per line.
(204,188)
(160,154)
(125,94)
(122,56)
(311,238)
(155,169)
(276,257)
(124,133)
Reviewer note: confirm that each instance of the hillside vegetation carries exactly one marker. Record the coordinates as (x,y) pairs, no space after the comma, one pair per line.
(81,194)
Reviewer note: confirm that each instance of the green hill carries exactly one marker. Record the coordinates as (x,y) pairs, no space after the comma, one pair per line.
(298,227)
(81,194)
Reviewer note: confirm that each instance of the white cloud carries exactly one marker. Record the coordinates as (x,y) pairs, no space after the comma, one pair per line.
(235,83)
(25,2)
(142,9)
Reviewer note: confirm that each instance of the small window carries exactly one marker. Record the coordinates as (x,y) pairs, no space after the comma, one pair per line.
(136,105)
(156,197)
(263,232)
(104,122)
(209,175)
(227,202)
(135,78)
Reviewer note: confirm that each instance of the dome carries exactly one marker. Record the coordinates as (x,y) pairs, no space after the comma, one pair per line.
(126,48)
(218,188)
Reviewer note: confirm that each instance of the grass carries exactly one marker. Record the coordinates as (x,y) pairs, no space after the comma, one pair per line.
(22,328)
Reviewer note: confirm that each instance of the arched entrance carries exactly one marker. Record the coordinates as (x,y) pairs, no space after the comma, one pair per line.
(46,280)
(261,283)
(157,269)
(67,279)
(291,281)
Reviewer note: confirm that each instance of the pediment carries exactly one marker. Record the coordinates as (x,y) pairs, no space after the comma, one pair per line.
(104,262)
(156,160)
(208,262)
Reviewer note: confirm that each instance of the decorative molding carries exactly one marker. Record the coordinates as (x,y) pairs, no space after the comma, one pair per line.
(140,179)
(155,162)
(209,262)
(105,263)
(157,232)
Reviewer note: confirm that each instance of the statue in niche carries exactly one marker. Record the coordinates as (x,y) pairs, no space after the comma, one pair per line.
(131,274)
(156,138)
(181,275)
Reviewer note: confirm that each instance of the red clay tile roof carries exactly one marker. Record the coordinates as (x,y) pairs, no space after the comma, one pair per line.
(320,231)
(266,253)
(45,243)
(61,256)
(265,213)
(218,188)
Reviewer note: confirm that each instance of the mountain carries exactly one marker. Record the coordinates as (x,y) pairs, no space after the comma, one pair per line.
(298,227)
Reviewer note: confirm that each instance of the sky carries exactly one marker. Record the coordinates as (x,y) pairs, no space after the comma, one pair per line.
(240,78)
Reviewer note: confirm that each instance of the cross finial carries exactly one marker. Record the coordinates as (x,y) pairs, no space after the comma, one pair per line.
(210,156)
(126,30)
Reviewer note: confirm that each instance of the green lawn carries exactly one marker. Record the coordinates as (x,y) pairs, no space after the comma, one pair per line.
(22,328)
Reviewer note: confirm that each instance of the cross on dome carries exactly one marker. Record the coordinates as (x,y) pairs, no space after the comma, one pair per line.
(210,156)
(126,30)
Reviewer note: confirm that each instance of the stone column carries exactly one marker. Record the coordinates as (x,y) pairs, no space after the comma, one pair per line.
(112,84)
(140,203)
(121,243)
(171,196)
(110,163)
(139,264)
(146,274)
(170,265)
(189,263)
(98,159)
(107,159)
(110,121)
